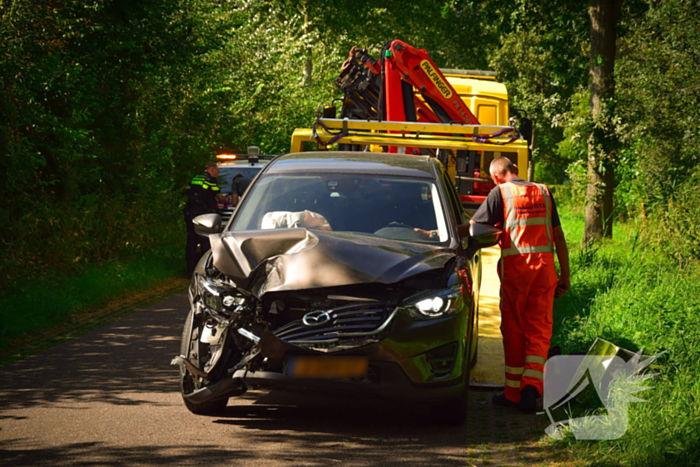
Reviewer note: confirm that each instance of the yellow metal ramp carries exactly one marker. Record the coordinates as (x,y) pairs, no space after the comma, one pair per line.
(490,366)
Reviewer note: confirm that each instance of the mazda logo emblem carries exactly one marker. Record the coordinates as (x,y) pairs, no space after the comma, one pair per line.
(316,318)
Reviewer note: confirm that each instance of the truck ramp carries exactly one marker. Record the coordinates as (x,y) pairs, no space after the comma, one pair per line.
(489,370)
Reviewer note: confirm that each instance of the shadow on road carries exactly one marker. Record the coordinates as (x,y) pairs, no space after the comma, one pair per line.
(111,364)
(386,432)
(122,370)
(103,454)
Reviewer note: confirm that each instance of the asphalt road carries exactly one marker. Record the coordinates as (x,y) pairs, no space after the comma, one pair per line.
(111,398)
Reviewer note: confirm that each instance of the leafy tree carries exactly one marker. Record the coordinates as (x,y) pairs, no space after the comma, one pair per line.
(542,59)
(658,99)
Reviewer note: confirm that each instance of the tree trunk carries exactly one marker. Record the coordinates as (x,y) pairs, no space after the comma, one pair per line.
(308,63)
(604,16)
(531,165)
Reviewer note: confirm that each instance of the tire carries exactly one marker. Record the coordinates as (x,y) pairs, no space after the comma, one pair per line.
(454,411)
(475,338)
(187,384)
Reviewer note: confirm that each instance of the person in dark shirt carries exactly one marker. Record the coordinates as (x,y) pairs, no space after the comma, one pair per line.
(238,187)
(203,193)
(529,282)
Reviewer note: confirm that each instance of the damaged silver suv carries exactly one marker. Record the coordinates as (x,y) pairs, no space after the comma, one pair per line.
(338,270)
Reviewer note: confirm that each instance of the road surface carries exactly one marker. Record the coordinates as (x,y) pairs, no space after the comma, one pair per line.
(111,398)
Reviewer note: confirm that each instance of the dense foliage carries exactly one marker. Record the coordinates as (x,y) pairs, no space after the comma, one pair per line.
(107,107)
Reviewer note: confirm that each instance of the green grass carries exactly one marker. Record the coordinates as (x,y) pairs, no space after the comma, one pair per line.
(39,305)
(629,293)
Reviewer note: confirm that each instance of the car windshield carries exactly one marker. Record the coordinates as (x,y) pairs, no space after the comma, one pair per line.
(380,206)
(226,175)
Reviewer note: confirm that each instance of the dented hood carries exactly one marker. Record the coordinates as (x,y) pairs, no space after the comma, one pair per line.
(263,261)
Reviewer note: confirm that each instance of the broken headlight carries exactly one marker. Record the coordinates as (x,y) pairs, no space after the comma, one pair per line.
(219,297)
(434,304)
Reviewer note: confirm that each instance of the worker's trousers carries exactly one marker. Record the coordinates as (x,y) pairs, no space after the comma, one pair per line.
(528,282)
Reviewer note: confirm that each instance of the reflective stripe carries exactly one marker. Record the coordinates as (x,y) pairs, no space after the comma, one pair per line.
(207,185)
(513,384)
(514,370)
(201,180)
(510,218)
(508,201)
(548,213)
(527,249)
(533,374)
(198,180)
(527,221)
(535,359)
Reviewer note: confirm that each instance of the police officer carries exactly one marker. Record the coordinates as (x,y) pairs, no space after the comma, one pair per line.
(202,197)
(531,233)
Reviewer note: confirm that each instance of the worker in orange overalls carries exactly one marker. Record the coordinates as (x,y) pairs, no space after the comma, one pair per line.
(531,233)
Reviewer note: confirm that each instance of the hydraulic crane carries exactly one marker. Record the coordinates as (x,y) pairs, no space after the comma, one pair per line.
(405,85)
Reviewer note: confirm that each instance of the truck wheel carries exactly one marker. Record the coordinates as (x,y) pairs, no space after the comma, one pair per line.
(189,342)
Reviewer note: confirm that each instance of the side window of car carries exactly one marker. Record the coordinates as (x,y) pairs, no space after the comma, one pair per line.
(456,209)
(458,202)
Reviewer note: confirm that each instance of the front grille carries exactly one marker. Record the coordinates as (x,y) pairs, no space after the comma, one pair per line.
(348,327)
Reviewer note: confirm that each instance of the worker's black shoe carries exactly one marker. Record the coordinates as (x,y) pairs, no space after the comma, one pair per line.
(553,352)
(500,399)
(528,399)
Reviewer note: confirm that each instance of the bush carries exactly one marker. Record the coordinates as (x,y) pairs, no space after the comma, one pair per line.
(675,227)
(635,295)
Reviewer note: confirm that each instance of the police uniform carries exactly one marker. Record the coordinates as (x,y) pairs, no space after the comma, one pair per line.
(527,214)
(201,199)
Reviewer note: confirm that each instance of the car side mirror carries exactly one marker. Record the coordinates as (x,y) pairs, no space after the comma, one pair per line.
(207,224)
(480,236)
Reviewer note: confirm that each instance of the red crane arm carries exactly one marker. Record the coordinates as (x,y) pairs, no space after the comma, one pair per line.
(415,67)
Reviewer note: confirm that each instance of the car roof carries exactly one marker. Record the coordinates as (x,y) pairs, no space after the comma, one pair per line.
(241,163)
(353,162)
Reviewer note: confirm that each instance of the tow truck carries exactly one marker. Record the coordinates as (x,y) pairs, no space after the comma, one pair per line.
(403,103)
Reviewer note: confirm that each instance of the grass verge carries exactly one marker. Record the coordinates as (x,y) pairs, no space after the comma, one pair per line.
(42,314)
(627,292)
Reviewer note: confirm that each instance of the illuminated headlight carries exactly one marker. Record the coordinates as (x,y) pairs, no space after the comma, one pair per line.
(434,304)
(430,306)
(218,296)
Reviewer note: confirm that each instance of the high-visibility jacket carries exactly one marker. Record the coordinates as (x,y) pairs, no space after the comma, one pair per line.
(202,194)
(528,281)
(527,225)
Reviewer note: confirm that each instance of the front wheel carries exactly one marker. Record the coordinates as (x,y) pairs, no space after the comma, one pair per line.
(192,349)
(454,411)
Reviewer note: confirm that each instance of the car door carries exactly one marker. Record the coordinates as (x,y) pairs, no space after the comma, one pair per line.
(468,269)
